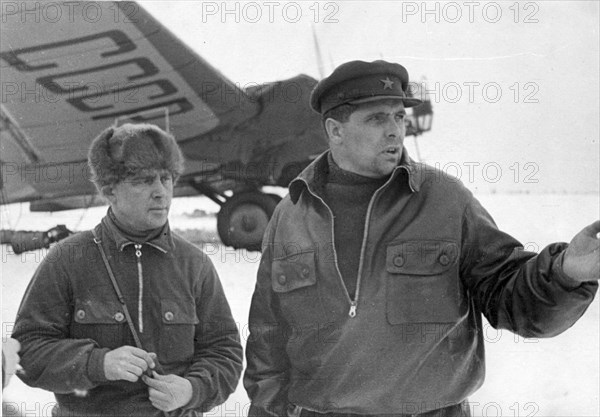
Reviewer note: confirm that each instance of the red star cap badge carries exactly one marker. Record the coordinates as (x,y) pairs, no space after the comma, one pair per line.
(387,83)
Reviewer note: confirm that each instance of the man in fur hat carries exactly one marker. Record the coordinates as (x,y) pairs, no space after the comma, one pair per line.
(161,337)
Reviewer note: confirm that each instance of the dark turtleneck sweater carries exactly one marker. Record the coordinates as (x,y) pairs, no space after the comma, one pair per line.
(348,195)
(134,235)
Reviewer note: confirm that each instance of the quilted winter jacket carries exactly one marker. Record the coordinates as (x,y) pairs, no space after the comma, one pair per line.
(411,341)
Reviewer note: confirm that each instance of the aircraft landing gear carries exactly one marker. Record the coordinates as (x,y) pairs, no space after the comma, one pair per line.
(243,218)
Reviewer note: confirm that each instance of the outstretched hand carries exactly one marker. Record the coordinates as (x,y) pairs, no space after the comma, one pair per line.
(582,257)
(168,392)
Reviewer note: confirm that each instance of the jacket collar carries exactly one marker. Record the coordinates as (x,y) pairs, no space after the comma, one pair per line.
(314,176)
(163,242)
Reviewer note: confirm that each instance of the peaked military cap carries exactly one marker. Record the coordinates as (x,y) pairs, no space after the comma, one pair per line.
(358,82)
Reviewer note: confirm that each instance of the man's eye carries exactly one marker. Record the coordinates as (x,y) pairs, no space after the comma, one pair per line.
(400,117)
(166,178)
(138,181)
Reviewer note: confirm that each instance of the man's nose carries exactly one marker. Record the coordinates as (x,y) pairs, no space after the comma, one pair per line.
(159,190)
(395,128)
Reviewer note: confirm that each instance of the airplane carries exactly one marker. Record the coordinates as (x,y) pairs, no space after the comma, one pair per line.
(62,84)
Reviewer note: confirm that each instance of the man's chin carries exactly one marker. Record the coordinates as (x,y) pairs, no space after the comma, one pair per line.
(387,166)
(158,218)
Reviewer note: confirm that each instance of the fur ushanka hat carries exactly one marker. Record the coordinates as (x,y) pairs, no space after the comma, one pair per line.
(121,152)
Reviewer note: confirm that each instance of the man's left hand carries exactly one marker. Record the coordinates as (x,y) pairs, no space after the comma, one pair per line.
(582,258)
(168,392)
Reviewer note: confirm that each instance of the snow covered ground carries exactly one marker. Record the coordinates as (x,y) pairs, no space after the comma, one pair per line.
(552,377)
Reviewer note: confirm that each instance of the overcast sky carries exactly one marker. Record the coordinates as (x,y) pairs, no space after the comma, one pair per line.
(515,86)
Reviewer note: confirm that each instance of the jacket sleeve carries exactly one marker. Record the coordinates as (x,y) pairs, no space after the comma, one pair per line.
(267,374)
(49,358)
(521,291)
(217,363)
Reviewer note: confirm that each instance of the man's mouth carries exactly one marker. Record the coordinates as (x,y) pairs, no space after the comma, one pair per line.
(392,150)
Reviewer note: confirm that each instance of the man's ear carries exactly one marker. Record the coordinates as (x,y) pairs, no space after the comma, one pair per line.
(334,130)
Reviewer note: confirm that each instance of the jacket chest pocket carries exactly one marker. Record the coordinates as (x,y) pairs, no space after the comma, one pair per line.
(178,329)
(100,320)
(294,279)
(422,283)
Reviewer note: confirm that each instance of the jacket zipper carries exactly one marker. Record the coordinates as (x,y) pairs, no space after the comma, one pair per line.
(364,242)
(138,255)
(352,312)
(363,247)
(353,303)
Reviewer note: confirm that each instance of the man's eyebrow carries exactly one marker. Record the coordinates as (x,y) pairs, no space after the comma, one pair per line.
(383,112)
(142,176)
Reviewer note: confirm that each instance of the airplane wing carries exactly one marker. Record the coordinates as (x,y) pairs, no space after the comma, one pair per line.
(65,81)
(71,69)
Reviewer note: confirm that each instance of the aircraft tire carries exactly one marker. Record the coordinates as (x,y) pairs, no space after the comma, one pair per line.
(243,218)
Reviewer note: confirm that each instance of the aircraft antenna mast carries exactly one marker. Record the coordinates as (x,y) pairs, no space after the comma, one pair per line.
(319,57)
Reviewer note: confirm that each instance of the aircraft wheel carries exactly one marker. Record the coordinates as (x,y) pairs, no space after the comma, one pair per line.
(243,219)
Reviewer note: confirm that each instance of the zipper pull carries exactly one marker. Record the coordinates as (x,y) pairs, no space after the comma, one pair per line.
(352,312)
(138,251)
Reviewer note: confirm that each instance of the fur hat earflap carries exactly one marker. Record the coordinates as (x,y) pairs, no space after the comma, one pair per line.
(118,153)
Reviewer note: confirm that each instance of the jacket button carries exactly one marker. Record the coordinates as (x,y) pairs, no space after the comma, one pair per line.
(399,260)
(444,259)
(169,316)
(80,314)
(305,272)
(119,316)
(282,279)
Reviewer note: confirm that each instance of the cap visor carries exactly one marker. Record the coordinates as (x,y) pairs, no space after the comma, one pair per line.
(407,101)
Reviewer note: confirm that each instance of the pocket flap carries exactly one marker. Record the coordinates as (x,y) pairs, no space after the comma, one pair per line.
(178,312)
(293,272)
(421,257)
(98,312)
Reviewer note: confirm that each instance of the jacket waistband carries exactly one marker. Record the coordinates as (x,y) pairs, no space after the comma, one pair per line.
(456,410)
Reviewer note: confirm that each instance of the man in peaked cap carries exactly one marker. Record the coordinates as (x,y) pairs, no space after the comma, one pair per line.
(169,343)
(376,271)
(359,82)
